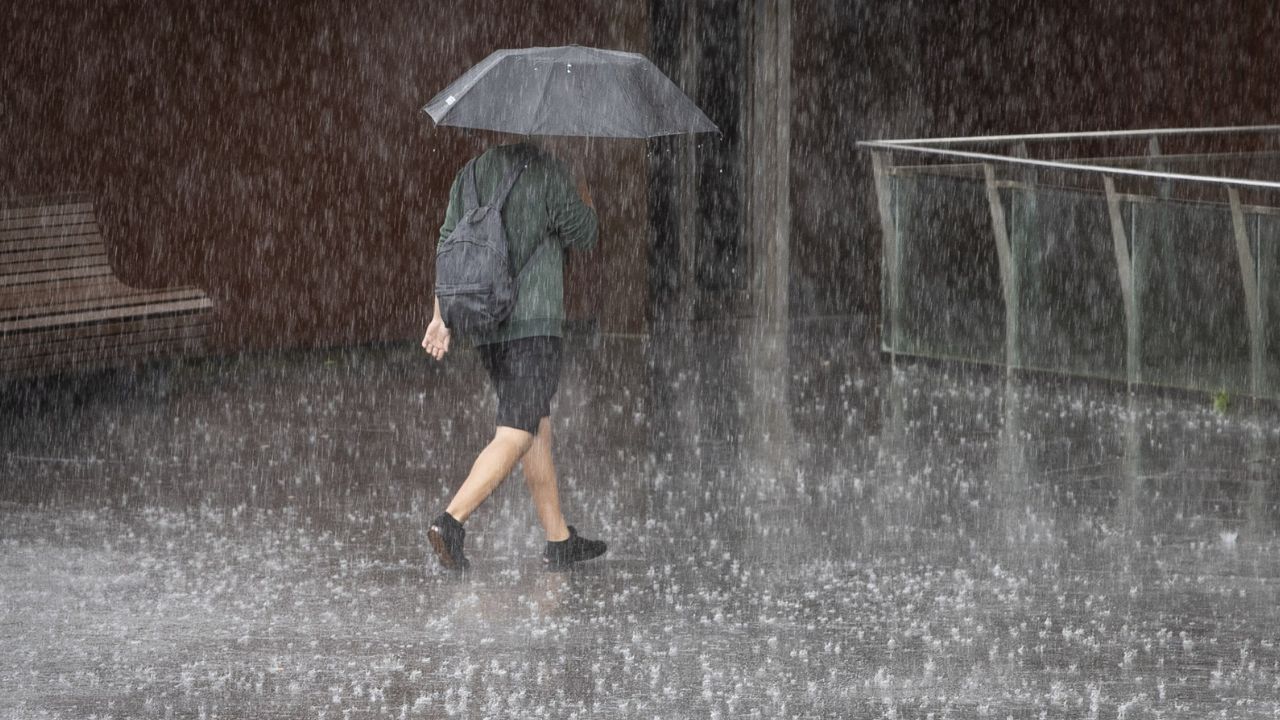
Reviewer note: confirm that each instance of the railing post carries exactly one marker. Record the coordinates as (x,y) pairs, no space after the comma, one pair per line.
(1154,152)
(891,254)
(1024,216)
(1265,261)
(1124,265)
(1252,298)
(1008,270)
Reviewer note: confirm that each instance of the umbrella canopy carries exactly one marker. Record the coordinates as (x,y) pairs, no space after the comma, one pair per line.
(569,90)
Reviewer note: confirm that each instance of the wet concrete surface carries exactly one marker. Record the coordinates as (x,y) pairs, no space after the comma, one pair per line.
(797,528)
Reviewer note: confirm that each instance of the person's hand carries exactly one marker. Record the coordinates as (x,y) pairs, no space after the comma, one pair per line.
(584,191)
(436,341)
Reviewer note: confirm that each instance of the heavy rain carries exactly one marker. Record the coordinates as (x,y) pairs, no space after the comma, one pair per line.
(245,540)
(849,462)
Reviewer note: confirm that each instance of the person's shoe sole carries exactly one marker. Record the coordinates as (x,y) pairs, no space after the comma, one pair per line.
(564,564)
(436,538)
(567,564)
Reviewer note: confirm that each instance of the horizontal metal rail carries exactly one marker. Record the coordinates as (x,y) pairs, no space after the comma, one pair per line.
(900,146)
(1039,137)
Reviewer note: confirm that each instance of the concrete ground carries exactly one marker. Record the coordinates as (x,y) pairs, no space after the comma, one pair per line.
(797,528)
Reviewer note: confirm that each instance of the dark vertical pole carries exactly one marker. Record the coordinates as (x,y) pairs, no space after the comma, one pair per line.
(698,261)
(768,188)
(665,18)
(686,181)
(768,159)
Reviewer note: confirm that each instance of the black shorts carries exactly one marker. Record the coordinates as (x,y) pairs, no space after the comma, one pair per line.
(525,374)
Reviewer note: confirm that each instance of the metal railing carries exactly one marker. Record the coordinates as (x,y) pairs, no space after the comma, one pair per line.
(1084,253)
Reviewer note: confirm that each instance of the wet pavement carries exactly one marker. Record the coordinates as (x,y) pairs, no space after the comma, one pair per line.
(797,528)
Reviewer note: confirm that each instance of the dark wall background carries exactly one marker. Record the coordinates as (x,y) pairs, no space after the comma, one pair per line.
(704,48)
(273,152)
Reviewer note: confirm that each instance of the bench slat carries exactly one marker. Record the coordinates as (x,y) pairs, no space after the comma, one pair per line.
(43,277)
(27,244)
(46,221)
(45,231)
(90,316)
(25,211)
(47,265)
(54,253)
(105,297)
(75,290)
(104,335)
(68,290)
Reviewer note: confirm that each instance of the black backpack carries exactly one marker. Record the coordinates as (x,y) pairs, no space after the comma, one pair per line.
(475,283)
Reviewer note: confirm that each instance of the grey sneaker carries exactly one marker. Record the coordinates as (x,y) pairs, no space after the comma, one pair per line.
(573,550)
(446,535)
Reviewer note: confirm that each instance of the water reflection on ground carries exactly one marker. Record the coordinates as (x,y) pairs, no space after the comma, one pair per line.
(805,530)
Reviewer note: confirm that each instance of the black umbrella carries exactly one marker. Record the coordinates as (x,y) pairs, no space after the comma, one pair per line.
(569,90)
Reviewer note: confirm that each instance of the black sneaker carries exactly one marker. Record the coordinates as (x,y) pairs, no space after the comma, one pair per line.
(446,535)
(575,549)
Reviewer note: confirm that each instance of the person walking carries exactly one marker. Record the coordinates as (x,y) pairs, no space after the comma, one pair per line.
(543,216)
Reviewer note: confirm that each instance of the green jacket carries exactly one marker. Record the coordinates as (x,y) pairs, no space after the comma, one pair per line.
(544,206)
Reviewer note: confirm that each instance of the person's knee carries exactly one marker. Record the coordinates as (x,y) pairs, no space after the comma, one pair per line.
(544,430)
(519,440)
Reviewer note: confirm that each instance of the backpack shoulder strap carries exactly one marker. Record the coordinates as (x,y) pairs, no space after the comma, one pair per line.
(509,181)
(538,250)
(470,198)
(522,161)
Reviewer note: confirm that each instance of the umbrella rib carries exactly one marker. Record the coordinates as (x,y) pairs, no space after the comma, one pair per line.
(540,116)
(631,99)
(460,87)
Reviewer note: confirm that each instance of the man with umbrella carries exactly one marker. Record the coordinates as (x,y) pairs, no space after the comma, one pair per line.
(544,216)
(571,91)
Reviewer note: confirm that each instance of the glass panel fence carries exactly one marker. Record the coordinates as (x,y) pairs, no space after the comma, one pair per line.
(1268,254)
(1192,315)
(1071,309)
(945,301)
(1193,322)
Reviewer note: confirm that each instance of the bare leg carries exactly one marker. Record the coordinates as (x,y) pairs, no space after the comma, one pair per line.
(491,467)
(540,474)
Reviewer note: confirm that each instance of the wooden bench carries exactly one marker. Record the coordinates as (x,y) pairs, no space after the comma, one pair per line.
(61,306)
